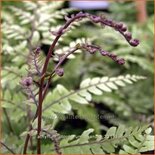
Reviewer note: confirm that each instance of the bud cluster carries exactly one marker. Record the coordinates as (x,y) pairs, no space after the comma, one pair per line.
(92,49)
(122,28)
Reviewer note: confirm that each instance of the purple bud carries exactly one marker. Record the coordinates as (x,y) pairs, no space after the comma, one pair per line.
(92,51)
(134,42)
(26,81)
(37,50)
(104,53)
(113,56)
(121,61)
(96,19)
(109,21)
(124,28)
(119,25)
(59,71)
(128,35)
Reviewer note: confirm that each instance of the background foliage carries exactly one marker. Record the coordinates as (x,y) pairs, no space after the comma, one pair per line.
(25,26)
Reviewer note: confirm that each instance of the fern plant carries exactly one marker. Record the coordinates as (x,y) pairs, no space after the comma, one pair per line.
(41,102)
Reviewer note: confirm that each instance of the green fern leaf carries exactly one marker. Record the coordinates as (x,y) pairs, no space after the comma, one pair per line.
(110,143)
(84,94)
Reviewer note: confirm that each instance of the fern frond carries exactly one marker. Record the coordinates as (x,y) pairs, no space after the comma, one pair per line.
(15,50)
(111,142)
(72,44)
(49,6)
(7,49)
(25,17)
(29,5)
(12,102)
(51,18)
(13,75)
(35,62)
(143,62)
(139,143)
(83,95)
(14,32)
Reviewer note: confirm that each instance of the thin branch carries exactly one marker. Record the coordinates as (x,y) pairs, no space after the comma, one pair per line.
(4,145)
(28,136)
